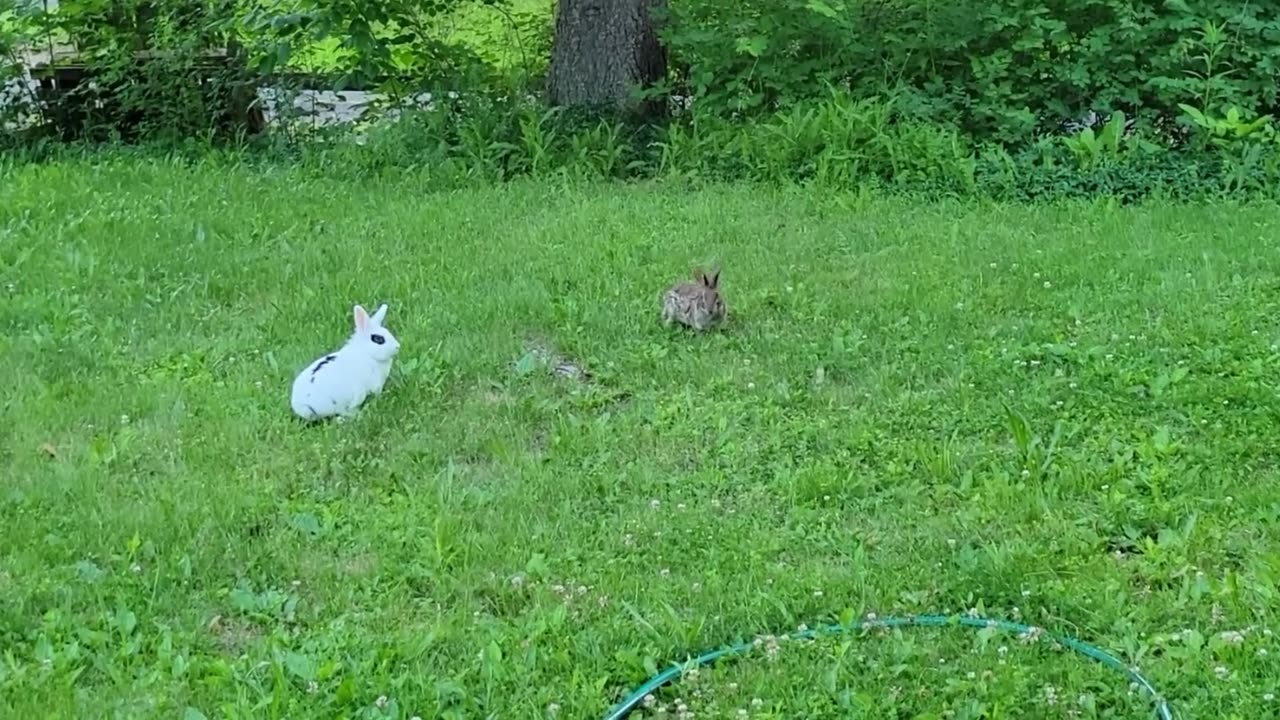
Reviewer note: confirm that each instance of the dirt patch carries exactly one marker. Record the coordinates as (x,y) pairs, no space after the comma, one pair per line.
(361,565)
(233,635)
(540,354)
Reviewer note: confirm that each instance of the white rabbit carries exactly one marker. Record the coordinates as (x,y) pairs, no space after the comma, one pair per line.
(337,383)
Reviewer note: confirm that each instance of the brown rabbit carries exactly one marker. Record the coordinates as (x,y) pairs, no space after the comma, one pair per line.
(697,305)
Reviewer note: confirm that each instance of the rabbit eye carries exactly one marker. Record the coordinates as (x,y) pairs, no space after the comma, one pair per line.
(377,339)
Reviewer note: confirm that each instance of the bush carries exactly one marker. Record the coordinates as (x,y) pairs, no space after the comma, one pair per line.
(190,68)
(958,99)
(144,68)
(837,143)
(18,105)
(396,47)
(461,139)
(1003,69)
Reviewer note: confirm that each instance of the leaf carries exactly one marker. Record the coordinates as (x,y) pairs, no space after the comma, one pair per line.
(301,666)
(243,600)
(650,665)
(753,46)
(1251,127)
(527,364)
(193,714)
(88,570)
(493,655)
(346,691)
(1019,429)
(1114,131)
(1195,115)
(1162,440)
(823,8)
(284,50)
(288,22)
(43,650)
(306,523)
(127,621)
(537,566)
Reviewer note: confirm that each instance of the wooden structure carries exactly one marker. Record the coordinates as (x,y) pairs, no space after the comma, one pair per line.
(77,101)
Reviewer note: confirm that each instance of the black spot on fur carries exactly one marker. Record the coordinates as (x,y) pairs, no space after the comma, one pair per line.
(328,359)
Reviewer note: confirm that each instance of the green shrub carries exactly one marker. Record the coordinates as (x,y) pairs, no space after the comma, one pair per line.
(483,139)
(150,68)
(836,142)
(960,99)
(18,106)
(396,47)
(1002,69)
(148,72)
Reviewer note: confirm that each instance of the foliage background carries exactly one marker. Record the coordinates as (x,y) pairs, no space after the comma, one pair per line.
(1011,99)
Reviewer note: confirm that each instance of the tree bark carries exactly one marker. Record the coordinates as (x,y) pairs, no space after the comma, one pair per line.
(602,51)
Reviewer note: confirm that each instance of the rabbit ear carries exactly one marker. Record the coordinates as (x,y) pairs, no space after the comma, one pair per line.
(362,318)
(712,280)
(379,315)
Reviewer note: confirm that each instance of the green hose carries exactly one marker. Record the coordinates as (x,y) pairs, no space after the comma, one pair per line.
(628,704)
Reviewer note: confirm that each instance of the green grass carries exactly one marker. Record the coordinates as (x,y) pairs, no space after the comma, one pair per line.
(1065,414)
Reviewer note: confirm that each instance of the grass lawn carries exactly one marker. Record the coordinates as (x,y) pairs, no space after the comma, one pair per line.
(1063,414)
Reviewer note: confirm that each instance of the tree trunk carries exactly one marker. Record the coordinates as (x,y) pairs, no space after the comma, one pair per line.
(603,50)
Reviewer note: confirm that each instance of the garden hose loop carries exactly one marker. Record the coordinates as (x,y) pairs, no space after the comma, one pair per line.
(637,696)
